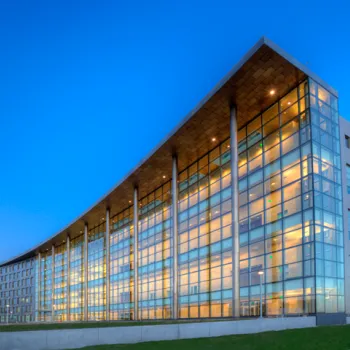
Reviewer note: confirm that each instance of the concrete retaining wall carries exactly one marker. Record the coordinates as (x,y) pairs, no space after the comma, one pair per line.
(77,338)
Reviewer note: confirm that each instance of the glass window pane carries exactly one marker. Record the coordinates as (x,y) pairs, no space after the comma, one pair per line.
(289,113)
(292,190)
(272,199)
(291,175)
(272,184)
(254,151)
(292,238)
(253,125)
(290,129)
(271,140)
(270,113)
(272,154)
(289,99)
(290,143)
(271,126)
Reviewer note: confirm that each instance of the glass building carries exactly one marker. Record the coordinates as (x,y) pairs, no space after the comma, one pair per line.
(245,202)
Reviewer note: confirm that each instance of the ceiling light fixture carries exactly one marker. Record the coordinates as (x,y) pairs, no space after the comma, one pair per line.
(272,92)
(213,139)
(164,176)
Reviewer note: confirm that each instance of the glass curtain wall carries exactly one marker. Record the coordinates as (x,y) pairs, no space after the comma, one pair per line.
(154,255)
(45,297)
(276,209)
(290,229)
(97,273)
(205,236)
(122,266)
(328,201)
(76,288)
(60,285)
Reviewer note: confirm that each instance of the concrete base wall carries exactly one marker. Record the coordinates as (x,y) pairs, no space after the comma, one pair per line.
(78,338)
(330,319)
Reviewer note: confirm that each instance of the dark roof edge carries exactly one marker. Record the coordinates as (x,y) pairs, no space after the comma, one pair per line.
(262,41)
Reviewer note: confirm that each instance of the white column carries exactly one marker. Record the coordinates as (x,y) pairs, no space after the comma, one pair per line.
(68,277)
(107,266)
(174,192)
(136,249)
(53,285)
(86,272)
(235,226)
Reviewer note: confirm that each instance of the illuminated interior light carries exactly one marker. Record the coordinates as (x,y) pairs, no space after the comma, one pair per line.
(213,139)
(272,92)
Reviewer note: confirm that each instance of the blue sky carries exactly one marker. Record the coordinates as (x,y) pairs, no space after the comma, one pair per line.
(88,88)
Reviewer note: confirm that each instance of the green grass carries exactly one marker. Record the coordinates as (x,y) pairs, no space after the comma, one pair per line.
(321,338)
(77,325)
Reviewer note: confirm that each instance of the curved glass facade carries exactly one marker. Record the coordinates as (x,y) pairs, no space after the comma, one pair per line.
(60,284)
(154,255)
(77,277)
(122,266)
(276,209)
(97,273)
(170,253)
(205,236)
(44,287)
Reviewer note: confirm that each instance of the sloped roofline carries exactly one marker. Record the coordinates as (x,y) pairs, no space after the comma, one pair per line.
(263,41)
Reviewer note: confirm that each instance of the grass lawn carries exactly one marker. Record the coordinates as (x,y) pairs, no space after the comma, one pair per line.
(77,325)
(321,338)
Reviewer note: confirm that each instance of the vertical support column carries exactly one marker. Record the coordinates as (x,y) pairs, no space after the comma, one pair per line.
(53,285)
(107,265)
(235,226)
(86,272)
(68,277)
(136,250)
(174,192)
(39,287)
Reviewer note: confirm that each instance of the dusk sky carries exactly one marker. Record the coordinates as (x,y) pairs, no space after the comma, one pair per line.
(88,88)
